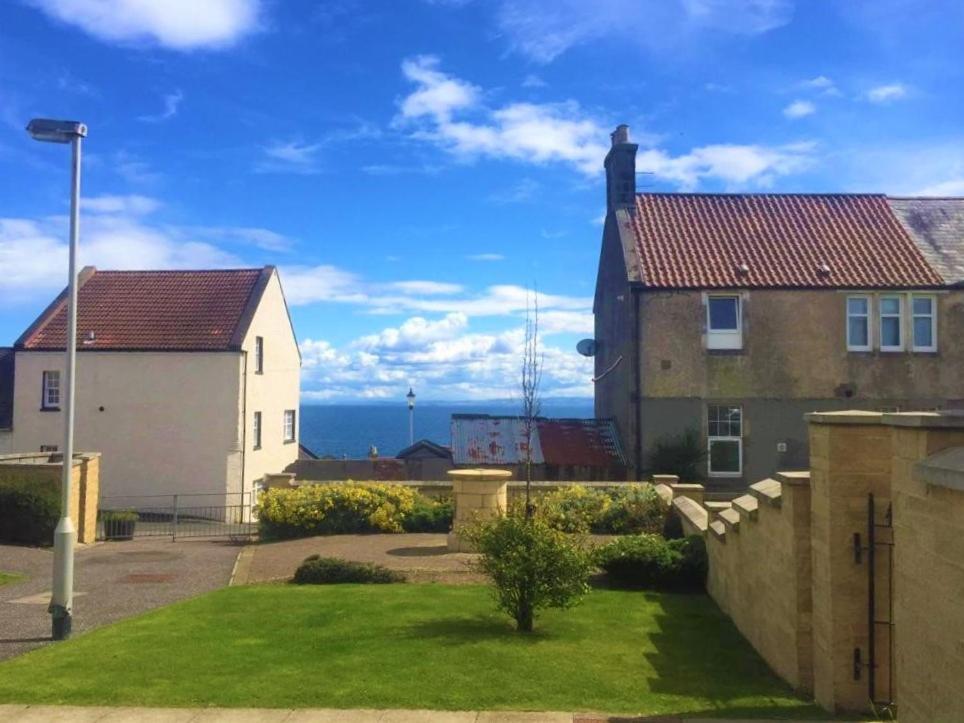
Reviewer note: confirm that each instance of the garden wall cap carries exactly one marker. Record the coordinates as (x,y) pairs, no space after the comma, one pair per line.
(952,418)
(479,474)
(852,416)
(943,469)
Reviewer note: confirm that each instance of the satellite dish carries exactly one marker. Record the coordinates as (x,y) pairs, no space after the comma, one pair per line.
(587,347)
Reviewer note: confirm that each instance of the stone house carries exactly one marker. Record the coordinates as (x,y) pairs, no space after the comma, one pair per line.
(187,382)
(735,314)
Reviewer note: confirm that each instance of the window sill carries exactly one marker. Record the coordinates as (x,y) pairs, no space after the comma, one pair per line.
(290,441)
(259,372)
(50,409)
(256,447)
(725,352)
(724,475)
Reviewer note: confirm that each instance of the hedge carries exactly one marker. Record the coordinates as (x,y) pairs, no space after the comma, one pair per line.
(318,570)
(651,562)
(619,510)
(28,514)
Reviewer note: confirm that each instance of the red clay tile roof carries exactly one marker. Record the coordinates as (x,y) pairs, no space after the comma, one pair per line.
(154,310)
(687,240)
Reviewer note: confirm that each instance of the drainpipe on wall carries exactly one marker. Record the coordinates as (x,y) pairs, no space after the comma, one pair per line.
(637,384)
(244,419)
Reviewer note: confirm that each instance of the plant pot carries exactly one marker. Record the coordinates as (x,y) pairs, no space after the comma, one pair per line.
(119,529)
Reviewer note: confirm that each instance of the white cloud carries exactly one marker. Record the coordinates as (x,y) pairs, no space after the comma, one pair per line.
(172,102)
(486,257)
(533,81)
(520,192)
(886,93)
(534,133)
(427,288)
(132,204)
(820,84)
(290,157)
(175,24)
(799,109)
(951,187)
(735,165)
(544,31)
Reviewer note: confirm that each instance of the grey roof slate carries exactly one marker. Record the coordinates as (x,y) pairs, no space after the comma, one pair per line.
(937,227)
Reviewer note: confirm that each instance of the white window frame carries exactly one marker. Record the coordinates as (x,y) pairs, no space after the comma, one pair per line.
(900,321)
(47,388)
(724,338)
(711,439)
(256,431)
(259,355)
(867,320)
(914,316)
(289,434)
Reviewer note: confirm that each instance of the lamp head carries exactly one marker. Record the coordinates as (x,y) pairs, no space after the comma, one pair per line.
(56,131)
(411,398)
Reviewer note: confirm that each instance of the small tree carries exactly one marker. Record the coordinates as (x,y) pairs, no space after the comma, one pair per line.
(532,566)
(531,380)
(682,455)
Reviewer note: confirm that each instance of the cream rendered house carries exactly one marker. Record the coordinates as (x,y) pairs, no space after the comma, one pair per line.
(187,381)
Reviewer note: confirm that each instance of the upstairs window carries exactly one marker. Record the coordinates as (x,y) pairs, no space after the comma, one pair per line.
(259,355)
(858,323)
(289,428)
(50,398)
(724,426)
(924,313)
(724,328)
(256,430)
(891,324)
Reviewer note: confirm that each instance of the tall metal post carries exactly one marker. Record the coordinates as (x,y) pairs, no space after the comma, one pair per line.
(411,416)
(62,600)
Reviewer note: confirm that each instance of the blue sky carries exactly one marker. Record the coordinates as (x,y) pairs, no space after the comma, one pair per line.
(412,167)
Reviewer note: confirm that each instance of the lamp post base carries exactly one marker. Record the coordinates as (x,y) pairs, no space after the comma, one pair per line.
(62,624)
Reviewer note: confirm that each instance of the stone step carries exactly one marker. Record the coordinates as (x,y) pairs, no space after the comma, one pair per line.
(768,490)
(747,506)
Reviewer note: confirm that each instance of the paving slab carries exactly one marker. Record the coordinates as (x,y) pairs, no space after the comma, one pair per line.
(241,715)
(427,716)
(55,714)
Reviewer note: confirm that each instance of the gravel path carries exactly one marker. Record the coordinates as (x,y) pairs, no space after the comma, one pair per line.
(423,557)
(112,580)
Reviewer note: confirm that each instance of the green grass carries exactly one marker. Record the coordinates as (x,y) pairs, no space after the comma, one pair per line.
(6,577)
(411,646)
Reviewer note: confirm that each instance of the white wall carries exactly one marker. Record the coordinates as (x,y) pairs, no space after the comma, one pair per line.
(273,391)
(169,422)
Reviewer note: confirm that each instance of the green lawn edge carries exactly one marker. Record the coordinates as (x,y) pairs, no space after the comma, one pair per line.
(7,578)
(411,646)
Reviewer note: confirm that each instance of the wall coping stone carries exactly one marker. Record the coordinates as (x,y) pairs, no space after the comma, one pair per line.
(793,478)
(768,490)
(943,469)
(718,530)
(854,416)
(747,505)
(695,513)
(953,419)
(731,518)
(686,486)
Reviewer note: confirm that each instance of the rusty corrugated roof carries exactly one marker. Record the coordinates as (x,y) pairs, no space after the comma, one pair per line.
(482,439)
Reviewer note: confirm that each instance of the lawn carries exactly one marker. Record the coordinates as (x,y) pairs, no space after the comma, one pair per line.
(411,646)
(6,577)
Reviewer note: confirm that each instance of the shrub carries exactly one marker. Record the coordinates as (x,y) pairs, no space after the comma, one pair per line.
(317,570)
(119,516)
(28,515)
(532,566)
(429,515)
(652,563)
(682,455)
(634,508)
(575,509)
(330,509)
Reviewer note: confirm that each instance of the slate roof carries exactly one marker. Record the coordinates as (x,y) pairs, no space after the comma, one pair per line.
(482,439)
(154,311)
(705,241)
(6,387)
(937,225)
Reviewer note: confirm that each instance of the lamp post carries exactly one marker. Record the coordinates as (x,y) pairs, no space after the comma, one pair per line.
(411,416)
(62,599)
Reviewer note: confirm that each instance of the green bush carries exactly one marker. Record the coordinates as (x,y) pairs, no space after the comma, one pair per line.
(28,515)
(532,566)
(331,509)
(682,455)
(634,508)
(429,515)
(317,570)
(575,509)
(651,562)
(119,516)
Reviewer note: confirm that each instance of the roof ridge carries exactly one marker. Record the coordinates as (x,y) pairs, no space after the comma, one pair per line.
(236,269)
(725,194)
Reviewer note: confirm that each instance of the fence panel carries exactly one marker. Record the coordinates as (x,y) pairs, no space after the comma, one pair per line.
(215,514)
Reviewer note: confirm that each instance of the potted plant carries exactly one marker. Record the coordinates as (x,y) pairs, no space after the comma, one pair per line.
(119,524)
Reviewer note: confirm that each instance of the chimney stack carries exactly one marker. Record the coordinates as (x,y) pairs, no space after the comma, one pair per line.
(621,170)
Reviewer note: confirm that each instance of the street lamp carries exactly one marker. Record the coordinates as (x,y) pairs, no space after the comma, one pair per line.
(62,599)
(411,416)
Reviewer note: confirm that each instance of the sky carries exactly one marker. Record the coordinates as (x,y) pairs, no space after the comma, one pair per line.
(419,171)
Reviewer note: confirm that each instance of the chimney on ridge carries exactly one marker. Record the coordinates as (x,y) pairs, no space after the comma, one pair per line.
(621,170)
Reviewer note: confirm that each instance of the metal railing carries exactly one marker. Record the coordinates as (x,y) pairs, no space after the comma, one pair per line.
(215,514)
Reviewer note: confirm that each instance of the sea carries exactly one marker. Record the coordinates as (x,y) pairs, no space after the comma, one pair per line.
(342,430)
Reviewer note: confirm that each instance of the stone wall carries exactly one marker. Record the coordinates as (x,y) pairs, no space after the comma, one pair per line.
(44,470)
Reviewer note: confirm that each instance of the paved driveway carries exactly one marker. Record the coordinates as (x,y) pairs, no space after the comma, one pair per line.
(112,580)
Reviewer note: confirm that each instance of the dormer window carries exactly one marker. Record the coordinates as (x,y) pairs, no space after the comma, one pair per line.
(724,327)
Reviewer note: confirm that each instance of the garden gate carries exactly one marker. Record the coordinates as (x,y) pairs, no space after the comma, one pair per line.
(216,514)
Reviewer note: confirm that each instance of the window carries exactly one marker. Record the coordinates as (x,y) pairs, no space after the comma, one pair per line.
(891,324)
(923,312)
(858,323)
(51,391)
(724,424)
(259,355)
(256,430)
(723,323)
(289,425)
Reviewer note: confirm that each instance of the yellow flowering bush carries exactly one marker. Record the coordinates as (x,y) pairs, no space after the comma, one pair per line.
(332,509)
(623,509)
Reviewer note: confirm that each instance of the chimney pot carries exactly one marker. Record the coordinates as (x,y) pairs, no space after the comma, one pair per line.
(620,135)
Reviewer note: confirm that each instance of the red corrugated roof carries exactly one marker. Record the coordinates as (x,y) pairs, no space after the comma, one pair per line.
(583,442)
(153,310)
(687,240)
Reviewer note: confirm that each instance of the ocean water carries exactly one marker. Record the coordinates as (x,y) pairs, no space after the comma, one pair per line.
(349,429)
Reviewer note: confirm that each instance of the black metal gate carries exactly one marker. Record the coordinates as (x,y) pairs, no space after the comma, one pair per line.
(879,665)
(177,516)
